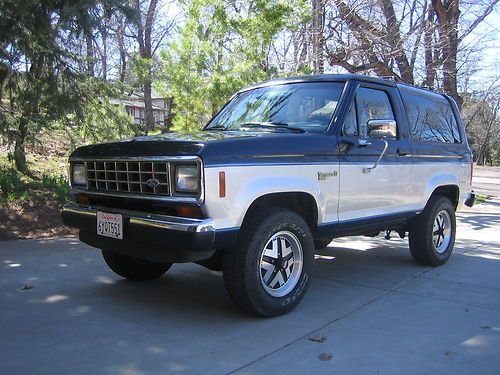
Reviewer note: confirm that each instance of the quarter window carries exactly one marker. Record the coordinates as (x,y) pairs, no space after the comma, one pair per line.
(430,116)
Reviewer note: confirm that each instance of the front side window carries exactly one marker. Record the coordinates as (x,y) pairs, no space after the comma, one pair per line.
(369,104)
(430,116)
(306,106)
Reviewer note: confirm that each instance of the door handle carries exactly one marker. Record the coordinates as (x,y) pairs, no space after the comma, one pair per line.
(401,152)
(364,142)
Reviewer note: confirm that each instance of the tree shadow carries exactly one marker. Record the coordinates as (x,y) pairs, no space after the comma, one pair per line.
(482,220)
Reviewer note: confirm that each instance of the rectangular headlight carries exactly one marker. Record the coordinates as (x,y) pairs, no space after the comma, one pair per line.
(78,176)
(187,178)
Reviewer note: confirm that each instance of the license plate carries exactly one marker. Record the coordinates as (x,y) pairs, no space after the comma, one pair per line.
(110,225)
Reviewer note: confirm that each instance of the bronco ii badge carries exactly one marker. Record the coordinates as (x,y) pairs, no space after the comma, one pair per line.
(324,175)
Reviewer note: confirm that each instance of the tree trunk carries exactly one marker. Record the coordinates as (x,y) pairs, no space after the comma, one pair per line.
(105,54)
(395,41)
(121,50)
(317,39)
(430,66)
(148,105)
(448,13)
(90,55)
(19,147)
(145,49)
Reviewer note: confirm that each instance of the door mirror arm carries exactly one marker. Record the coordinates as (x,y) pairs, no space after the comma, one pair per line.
(368,170)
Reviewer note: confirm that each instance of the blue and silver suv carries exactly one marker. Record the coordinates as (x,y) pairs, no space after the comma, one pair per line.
(283,168)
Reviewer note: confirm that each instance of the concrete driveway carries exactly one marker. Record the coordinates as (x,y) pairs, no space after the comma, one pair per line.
(374,310)
(486,180)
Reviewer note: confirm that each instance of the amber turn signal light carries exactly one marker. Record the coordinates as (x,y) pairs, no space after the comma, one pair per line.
(222,184)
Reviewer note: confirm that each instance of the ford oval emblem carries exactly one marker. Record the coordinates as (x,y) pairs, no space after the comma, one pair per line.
(153,182)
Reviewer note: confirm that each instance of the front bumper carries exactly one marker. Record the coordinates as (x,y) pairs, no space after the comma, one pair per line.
(153,237)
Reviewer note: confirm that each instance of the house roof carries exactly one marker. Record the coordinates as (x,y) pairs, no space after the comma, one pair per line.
(134,104)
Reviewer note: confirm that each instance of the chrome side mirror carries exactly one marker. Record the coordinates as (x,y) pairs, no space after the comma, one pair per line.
(382,129)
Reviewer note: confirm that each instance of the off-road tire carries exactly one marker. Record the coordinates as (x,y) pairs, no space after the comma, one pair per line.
(134,269)
(422,232)
(243,272)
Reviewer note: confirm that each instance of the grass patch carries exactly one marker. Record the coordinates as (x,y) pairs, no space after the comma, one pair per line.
(49,183)
(482,198)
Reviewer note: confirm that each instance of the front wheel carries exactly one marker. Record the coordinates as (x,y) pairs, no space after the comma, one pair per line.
(133,268)
(432,233)
(268,272)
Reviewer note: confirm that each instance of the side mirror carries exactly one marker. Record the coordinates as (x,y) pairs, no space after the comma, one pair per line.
(382,128)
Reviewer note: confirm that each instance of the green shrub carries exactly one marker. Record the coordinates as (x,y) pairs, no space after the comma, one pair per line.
(57,185)
(10,184)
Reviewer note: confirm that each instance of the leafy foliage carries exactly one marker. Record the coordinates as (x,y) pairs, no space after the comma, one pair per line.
(223,46)
(36,67)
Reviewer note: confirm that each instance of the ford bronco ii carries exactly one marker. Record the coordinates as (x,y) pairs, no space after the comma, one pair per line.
(284,167)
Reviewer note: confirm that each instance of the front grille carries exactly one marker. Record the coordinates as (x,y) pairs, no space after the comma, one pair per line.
(129,177)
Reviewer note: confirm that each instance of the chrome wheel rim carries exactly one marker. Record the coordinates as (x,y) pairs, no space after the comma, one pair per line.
(441,231)
(281,264)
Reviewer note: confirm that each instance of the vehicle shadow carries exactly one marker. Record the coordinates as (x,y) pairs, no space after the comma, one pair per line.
(194,292)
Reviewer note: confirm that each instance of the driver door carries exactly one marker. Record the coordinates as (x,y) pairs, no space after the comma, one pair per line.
(385,190)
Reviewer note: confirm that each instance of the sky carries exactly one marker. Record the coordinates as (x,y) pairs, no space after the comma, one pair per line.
(488,58)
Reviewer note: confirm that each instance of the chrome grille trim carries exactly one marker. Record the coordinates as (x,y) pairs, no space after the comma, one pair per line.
(172,162)
(128,176)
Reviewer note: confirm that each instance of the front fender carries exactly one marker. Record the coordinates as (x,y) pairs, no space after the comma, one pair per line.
(270,185)
(245,185)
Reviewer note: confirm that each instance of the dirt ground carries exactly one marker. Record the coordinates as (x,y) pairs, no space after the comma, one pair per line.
(29,220)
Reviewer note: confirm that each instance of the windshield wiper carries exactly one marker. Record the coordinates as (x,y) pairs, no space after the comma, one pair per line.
(270,124)
(216,127)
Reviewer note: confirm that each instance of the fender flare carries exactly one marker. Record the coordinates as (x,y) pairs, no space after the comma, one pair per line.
(442,179)
(274,185)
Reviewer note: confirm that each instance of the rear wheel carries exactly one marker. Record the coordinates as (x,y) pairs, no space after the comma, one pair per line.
(133,268)
(267,273)
(432,233)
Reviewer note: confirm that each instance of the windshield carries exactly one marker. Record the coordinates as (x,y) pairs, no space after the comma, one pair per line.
(297,106)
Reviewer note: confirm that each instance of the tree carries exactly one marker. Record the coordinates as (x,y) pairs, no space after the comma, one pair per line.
(401,38)
(38,72)
(222,46)
(149,33)
(482,121)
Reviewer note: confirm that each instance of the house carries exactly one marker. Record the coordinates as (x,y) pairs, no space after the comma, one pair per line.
(134,105)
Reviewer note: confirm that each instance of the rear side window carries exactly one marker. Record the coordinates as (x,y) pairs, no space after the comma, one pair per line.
(430,116)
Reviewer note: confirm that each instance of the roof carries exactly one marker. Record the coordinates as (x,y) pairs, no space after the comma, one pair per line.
(324,78)
(140,95)
(134,104)
(388,81)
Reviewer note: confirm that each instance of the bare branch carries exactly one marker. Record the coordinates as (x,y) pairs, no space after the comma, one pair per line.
(479,19)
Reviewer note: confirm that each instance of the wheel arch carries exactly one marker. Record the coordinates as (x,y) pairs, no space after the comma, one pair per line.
(452,192)
(302,203)
(447,185)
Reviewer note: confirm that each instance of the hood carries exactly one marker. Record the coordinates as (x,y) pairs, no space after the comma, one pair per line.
(215,147)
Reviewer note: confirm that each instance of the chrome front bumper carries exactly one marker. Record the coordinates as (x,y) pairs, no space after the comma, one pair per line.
(147,236)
